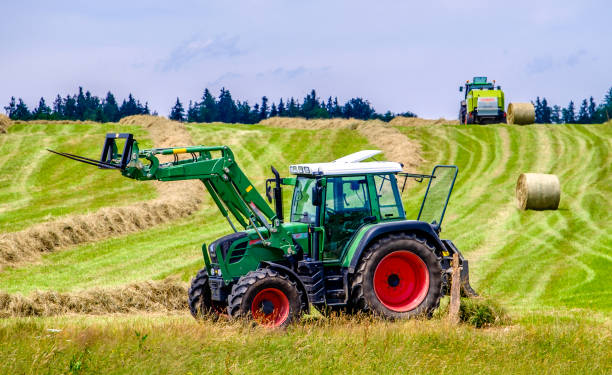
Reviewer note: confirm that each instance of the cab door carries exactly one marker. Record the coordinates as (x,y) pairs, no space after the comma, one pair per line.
(347,207)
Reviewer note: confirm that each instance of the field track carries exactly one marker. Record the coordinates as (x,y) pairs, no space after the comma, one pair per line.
(530,259)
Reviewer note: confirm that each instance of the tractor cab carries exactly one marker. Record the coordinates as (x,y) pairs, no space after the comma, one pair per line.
(345,195)
(478,83)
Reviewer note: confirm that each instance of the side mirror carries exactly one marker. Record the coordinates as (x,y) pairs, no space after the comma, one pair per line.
(316,195)
(460,88)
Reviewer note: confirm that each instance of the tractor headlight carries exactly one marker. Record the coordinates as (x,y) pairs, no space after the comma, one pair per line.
(300,169)
(293,169)
(306,170)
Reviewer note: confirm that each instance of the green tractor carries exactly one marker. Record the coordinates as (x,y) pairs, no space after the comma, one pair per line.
(483,103)
(346,243)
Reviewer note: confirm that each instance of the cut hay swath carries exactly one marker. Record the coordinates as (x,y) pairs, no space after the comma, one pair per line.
(5,122)
(538,191)
(395,145)
(147,296)
(521,113)
(176,199)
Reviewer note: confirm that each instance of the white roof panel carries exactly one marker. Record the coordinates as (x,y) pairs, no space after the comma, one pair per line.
(350,164)
(358,156)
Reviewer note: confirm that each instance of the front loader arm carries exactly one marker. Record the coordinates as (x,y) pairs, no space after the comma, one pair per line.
(229,187)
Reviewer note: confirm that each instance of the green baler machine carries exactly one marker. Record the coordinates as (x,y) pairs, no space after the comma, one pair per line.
(347,243)
(483,103)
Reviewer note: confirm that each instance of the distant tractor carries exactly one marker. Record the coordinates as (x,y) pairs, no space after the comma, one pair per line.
(483,103)
(346,243)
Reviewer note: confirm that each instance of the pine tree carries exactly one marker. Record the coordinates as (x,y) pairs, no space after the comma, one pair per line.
(42,112)
(604,112)
(555,116)
(92,104)
(292,109)
(70,108)
(254,115)
(310,105)
(263,112)
(110,109)
(546,112)
(244,112)
(21,111)
(592,111)
(208,107)
(569,113)
(281,108)
(338,110)
(193,112)
(538,110)
(330,106)
(227,111)
(11,108)
(130,107)
(583,113)
(177,113)
(358,108)
(58,108)
(273,111)
(81,106)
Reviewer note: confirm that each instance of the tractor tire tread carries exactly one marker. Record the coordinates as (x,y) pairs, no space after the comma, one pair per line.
(358,300)
(241,287)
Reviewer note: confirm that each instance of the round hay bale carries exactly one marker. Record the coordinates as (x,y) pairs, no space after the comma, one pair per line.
(521,113)
(538,191)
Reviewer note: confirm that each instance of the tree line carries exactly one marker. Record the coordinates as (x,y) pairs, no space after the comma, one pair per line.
(588,113)
(226,109)
(81,106)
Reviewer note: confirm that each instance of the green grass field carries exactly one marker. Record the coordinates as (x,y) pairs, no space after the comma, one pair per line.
(36,186)
(549,269)
(530,260)
(175,248)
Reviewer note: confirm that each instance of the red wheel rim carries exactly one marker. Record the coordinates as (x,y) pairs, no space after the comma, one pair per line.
(401,281)
(270,307)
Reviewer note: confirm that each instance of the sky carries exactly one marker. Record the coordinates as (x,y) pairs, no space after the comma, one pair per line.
(400,55)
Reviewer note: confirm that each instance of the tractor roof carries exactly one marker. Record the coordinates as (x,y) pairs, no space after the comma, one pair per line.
(348,165)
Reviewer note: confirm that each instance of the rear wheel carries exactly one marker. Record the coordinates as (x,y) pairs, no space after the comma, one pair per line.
(398,277)
(267,297)
(200,302)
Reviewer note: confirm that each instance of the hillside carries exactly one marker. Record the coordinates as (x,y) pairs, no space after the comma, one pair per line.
(549,269)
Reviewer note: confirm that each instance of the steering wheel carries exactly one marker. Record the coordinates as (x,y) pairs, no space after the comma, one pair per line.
(330,211)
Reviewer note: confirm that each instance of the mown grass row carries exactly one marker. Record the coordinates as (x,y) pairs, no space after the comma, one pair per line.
(36,186)
(531,260)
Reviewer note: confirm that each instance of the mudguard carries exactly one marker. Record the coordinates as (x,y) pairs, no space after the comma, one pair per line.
(371,233)
(294,277)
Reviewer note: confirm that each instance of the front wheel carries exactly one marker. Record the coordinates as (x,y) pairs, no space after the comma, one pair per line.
(200,302)
(400,276)
(267,297)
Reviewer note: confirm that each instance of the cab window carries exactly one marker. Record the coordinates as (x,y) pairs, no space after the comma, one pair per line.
(302,209)
(389,200)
